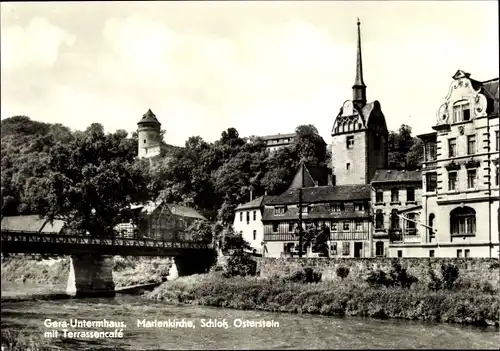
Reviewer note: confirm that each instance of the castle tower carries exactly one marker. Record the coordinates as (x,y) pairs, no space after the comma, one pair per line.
(148,130)
(359,134)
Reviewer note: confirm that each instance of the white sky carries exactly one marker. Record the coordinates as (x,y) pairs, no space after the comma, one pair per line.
(261,67)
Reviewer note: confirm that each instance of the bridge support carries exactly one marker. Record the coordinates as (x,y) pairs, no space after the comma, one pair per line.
(91,276)
(197,263)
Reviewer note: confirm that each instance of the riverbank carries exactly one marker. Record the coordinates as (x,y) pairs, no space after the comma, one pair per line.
(54,272)
(346,298)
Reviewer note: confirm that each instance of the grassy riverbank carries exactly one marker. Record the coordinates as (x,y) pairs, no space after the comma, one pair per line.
(466,305)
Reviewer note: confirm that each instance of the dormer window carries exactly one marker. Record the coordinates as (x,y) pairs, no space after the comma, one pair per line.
(359,207)
(336,207)
(279,211)
(304,209)
(461,111)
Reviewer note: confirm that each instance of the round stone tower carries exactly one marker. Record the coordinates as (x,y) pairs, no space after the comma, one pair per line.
(148,131)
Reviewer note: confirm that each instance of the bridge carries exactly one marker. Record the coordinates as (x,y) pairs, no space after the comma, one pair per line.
(91,264)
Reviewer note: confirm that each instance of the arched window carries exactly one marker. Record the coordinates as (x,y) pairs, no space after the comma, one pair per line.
(379,220)
(343,127)
(350,126)
(431,224)
(379,248)
(463,221)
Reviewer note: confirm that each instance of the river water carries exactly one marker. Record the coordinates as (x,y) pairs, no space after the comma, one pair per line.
(294,331)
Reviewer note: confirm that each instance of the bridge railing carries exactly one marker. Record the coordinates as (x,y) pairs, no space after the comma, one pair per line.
(55,238)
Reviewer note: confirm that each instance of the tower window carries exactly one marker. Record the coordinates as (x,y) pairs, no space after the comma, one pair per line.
(350,142)
(348,166)
(144,141)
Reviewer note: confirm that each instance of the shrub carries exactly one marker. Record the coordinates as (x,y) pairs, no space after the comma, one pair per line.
(378,277)
(342,272)
(448,278)
(397,277)
(240,265)
(304,276)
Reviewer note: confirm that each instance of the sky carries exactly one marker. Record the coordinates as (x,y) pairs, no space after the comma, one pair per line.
(260,67)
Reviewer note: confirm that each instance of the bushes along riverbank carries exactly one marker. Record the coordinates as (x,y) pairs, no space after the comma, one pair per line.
(465,303)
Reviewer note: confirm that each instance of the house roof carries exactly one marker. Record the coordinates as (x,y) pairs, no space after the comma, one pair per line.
(326,193)
(278,136)
(490,89)
(293,214)
(393,175)
(31,223)
(178,210)
(255,203)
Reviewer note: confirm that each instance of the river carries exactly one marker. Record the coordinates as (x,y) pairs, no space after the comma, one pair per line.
(294,331)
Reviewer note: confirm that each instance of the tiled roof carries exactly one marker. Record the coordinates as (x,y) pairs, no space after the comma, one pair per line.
(323,194)
(278,136)
(149,117)
(185,211)
(490,89)
(255,203)
(392,175)
(31,223)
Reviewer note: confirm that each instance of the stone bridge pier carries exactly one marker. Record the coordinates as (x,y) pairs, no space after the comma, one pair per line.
(91,276)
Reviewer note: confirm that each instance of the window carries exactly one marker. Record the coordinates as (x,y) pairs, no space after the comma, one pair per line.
(431,224)
(452,180)
(241,216)
(379,249)
(431,253)
(394,220)
(304,209)
(410,224)
(290,227)
(347,166)
(463,221)
(452,147)
(471,144)
(346,225)
(350,142)
(144,142)
(379,196)
(379,220)
(497,143)
(400,253)
(248,217)
(466,253)
(346,248)
(471,178)
(359,225)
(333,226)
(410,194)
(497,177)
(461,112)
(254,235)
(459,253)
(333,249)
(359,207)
(431,182)
(275,227)
(336,207)
(279,210)
(254,215)
(394,195)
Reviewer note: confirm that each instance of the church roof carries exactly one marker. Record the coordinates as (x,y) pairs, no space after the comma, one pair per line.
(393,175)
(149,117)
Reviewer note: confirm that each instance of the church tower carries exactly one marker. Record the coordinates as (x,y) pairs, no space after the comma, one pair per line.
(359,134)
(149,135)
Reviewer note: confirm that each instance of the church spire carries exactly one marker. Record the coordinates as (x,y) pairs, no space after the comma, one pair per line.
(359,87)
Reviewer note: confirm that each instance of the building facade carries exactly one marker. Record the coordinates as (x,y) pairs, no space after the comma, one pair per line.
(248,222)
(396,198)
(274,142)
(460,175)
(359,134)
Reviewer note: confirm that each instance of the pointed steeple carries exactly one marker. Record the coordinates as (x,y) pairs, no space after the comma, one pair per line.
(359,87)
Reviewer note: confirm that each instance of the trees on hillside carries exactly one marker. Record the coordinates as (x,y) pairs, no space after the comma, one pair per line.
(405,151)
(92,181)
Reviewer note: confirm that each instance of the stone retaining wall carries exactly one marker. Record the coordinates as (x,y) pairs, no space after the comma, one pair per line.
(476,268)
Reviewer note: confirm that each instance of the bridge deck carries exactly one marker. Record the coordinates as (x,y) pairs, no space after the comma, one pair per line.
(63,244)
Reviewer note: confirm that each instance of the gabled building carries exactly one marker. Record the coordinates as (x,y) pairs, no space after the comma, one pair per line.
(159,220)
(344,209)
(396,196)
(460,174)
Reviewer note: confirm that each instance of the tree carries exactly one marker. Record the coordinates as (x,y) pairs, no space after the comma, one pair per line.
(309,145)
(405,151)
(92,182)
(321,240)
(201,231)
